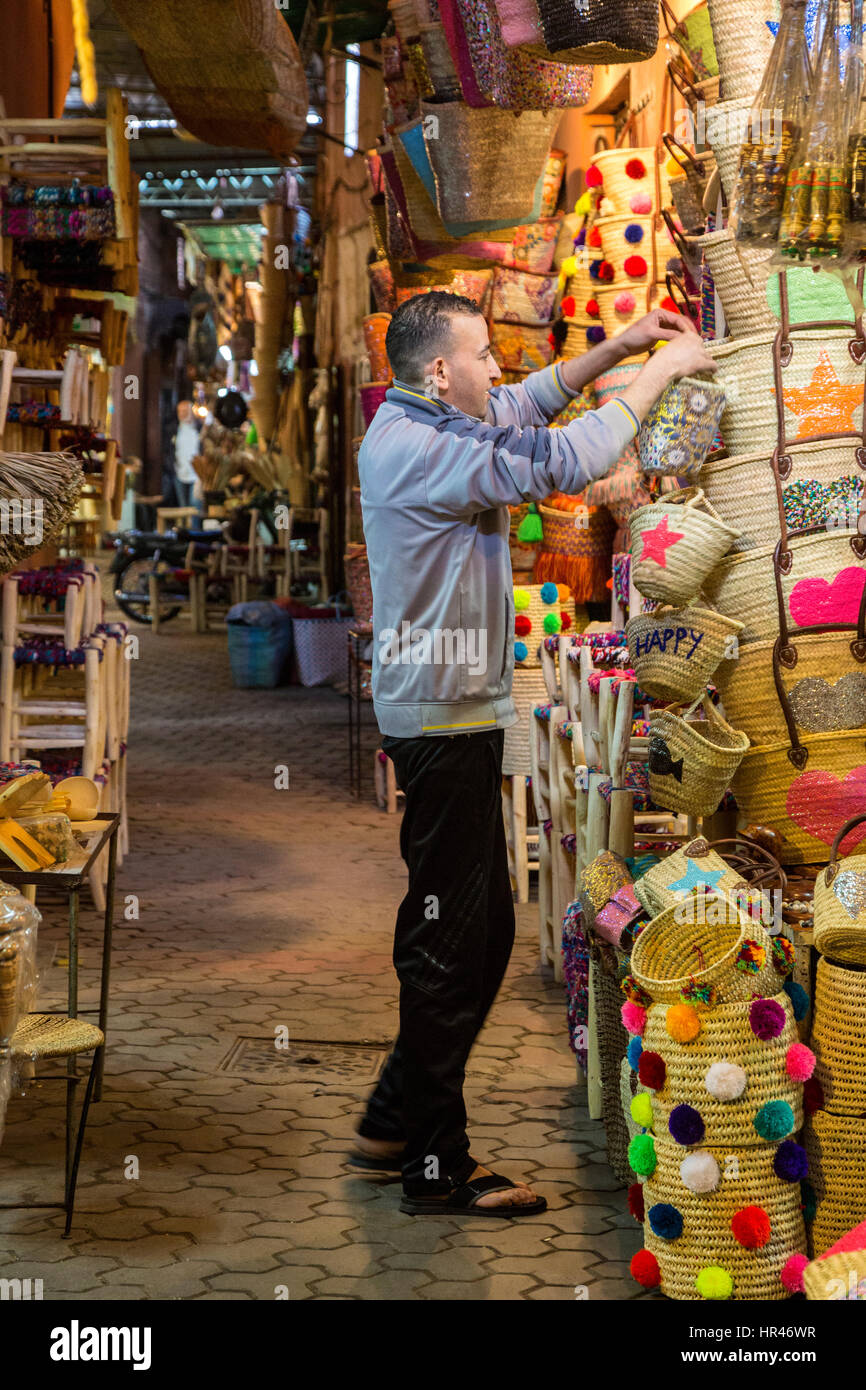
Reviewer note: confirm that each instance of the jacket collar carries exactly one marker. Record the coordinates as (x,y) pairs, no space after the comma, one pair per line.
(414,400)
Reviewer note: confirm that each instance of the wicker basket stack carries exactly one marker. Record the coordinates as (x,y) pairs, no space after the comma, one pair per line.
(720,1073)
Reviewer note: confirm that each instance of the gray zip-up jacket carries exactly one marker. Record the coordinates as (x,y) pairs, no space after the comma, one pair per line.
(435,488)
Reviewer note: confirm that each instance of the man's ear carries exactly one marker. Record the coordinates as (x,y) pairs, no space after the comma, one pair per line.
(436,377)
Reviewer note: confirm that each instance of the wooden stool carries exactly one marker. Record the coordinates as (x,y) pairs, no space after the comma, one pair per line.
(514,815)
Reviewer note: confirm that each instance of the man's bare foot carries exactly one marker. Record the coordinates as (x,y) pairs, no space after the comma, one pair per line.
(520,1195)
(378,1148)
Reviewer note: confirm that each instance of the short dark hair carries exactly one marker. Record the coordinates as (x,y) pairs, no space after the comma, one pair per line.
(420,328)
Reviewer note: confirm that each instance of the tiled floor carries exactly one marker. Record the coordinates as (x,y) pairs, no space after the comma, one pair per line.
(245,911)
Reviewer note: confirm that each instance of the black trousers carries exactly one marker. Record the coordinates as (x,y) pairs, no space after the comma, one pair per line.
(452,943)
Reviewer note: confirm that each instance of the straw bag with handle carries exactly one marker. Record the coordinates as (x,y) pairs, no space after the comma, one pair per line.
(667,883)
(675,651)
(840,903)
(706,951)
(601,31)
(691,764)
(681,428)
(676,543)
(836,1149)
(689,189)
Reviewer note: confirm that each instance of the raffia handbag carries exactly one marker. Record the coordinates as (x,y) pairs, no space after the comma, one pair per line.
(706,1248)
(681,428)
(694,35)
(750,684)
(667,883)
(486,164)
(519,297)
(691,764)
(839,1034)
(601,31)
(726,1037)
(806,801)
(821,484)
(675,651)
(836,1149)
(743,44)
(740,280)
(513,78)
(675,545)
(840,910)
(689,187)
(705,951)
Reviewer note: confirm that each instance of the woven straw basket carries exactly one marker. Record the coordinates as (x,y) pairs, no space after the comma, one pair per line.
(612,319)
(620,188)
(840,906)
(707,1240)
(839,1036)
(702,540)
(601,31)
(836,1146)
(528,691)
(807,807)
(681,428)
(577,554)
(654,887)
(836,1276)
(744,584)
(819,705)
(535,612)
(675,651)
(618,248)
(740,276)
(486,161)
(746,373)
(612,1044)
(439,63)
(576,341)
(823,479)
(726,127)
(691,763)
(743,45)
(517,347)
(726,1036)
(685,949)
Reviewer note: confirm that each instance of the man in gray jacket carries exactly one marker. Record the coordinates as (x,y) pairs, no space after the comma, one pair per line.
(447,453)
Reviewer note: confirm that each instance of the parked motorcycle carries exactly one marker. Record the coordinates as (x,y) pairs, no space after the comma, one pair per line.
(136,553)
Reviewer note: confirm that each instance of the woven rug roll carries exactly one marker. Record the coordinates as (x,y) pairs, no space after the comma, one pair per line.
(836,1146)
(528,691)
(823,584)
(743,44)
(825,485)
(826,688)
(839,1036)
(822,388)
(807,808)
(726,1075)
(744,1179)
(740,279)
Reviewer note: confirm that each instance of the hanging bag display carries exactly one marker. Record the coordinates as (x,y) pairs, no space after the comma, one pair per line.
(840,903)
(675,545)
(681,428)
(692,762)
(674,652)
(705,951)
(694,35)
(689,188)
(601,31)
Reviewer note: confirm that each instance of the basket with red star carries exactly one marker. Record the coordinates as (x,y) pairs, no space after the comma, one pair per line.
(675,544)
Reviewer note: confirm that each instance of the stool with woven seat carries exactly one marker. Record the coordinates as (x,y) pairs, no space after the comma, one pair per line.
(42,1037)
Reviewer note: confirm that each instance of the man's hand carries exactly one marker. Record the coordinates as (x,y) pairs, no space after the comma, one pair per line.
(660,324)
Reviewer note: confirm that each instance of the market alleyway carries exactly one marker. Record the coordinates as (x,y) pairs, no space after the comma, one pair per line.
(261,910)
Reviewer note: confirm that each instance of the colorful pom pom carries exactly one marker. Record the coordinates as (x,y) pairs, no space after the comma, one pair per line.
(642,1155)
(634,233)
(813,1095)
(641,204)
(565,621)
(552,623)
(665,1221)
(700,1172)
(674,266)
(714,1282)
(583,206)
(568,307)
(594,177)
(624,303)
(606,271)
(595,270)
(568,267)
(635,1201)
(645,1269)
(633,1052)
(790,1162)
(652,1070)
(563,593)
(522,625)
(751,1227)
(641,1109)
(594,238)
(767,1019)
(725,1080)
(548,592)
(635,169)
(530,531)
(783,955)
(633,991)
(792,1273)
(633,1017)
(686,1125)
(592,309)
(799,1062)
(683,1022)
(521,651)
(751,957)
(799,999)
(635,266)
(774,1120)
(695,993)
(672,168)
(595,334)
(522,599)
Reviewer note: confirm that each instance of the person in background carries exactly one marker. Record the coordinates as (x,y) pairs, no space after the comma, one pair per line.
(447,453)
(186,446)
